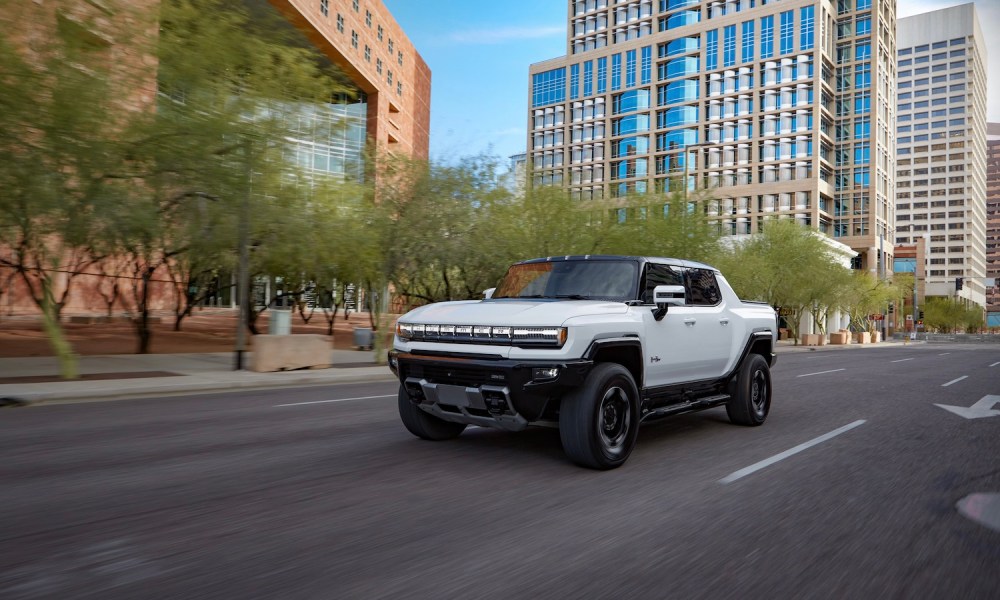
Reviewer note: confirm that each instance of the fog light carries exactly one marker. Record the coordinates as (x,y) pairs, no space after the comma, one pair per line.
(544,373)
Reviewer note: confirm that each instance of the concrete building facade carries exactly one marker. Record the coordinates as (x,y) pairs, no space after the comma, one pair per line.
(993,224)
(784,109)
(941,153)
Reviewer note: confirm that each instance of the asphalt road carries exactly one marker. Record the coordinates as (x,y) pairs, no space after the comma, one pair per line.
(293,495)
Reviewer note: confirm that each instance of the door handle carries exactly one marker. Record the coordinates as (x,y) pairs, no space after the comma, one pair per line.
(689,322)
(724,321)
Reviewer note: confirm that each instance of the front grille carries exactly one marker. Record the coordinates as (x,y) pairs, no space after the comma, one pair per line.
(456,375)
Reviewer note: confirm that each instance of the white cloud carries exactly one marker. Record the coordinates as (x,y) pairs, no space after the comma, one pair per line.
(505,34)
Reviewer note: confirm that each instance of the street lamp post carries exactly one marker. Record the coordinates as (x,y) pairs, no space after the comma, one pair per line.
(243,276)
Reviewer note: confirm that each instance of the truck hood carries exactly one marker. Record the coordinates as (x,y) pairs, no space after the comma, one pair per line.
(545,313)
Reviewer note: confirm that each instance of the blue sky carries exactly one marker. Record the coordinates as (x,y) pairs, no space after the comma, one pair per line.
(479,53)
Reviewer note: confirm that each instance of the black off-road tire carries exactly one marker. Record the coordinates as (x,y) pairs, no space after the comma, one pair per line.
(750,392)
(599,422)
(423,425)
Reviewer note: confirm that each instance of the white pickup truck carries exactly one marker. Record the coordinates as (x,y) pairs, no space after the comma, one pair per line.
(595,345)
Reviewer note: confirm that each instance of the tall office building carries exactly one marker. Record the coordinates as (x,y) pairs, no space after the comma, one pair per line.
(941,155)
(784,109)
(993,223)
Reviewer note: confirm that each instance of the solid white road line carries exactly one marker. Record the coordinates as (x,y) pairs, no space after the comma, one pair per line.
(805,446)
(820,373)
(944,354)
(902,360)
(337,400)
(995,364)
(954,381)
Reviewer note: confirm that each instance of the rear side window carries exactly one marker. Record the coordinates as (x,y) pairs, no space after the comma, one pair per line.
(659,275)
(703,289)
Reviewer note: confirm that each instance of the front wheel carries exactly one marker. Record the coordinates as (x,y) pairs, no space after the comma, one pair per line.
(750,392)
(423,425)
(599,422)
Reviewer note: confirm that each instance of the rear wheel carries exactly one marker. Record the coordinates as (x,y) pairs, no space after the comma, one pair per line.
(423,425)
(599,422)
(750,392)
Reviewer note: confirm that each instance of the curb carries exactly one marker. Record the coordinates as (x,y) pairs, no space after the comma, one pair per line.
(174,388)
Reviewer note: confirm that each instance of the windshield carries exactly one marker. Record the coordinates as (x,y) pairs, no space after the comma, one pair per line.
(572,279)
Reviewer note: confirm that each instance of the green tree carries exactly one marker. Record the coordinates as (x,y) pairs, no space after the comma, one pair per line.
(60,110)
(951,315)
(786,265)
(867,295)
(217,142)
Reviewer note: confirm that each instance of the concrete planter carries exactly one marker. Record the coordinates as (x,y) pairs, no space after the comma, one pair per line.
(810,339)
(840,338)
(863,337)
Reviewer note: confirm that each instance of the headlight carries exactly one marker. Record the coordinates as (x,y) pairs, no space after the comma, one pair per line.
(484,334)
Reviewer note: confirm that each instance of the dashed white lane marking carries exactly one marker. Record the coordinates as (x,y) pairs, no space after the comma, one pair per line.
(337,400)
(821,373)
(944,354)
(954,381)
(792,451)
(995,364)
(903,360)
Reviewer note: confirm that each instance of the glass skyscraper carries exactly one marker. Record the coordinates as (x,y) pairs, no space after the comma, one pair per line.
(784,108)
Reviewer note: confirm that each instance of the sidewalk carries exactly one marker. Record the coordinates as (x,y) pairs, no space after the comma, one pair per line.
(35,380)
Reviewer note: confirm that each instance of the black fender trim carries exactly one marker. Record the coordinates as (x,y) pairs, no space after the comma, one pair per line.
(754,338)
(618,342)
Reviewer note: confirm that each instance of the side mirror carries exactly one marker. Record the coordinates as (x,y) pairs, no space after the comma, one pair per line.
(666,295)
(487,294)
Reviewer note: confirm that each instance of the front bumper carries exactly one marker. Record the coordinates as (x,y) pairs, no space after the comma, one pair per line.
(490,392)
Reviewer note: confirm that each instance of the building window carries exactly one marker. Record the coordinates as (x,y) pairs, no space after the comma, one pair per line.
(588,78)
(379,30)
(355,5)
(354,39)
(647,65)
(340,23)
(748,41)
(324,7)
(390,45)
(630,68)
(368,53)
(399,58)
(616,72)
(368,18)
(712,50)
(388,77)
(574,81)
(729,46)
(767,37)
(378,66)
(602,75)
(806,27)
(787,31)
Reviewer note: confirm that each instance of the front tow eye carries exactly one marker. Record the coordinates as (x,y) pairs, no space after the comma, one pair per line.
(496,403)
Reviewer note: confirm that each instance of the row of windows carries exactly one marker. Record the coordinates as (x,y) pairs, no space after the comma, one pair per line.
(928,47)
(324,7)
(906,62)
(958,64)
(903,85)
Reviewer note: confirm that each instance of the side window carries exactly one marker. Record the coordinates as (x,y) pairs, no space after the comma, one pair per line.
(657,274)
(703,290)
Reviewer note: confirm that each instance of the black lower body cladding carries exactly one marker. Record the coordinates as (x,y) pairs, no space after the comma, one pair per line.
(528,382)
